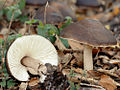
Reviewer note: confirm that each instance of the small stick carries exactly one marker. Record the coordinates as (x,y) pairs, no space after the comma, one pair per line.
(107,72)
(5,44)
(45,13)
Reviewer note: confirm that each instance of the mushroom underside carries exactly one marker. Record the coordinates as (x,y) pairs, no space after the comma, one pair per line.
(33,46)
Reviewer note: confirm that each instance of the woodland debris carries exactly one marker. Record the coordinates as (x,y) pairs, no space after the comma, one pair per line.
(107,83)
(108,73)
(23,86)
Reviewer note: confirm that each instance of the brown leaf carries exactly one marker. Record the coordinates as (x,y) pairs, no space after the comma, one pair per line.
(108,72)
(78,70)
(73,62)
(33,82)
(4,31)
(23,86)
(107,82)
(116,11)
(77,46)
(94,74)
(59,44)
(1,36)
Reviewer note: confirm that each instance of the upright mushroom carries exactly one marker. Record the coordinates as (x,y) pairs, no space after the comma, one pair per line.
(64,9)
(33,5)
(36,2)
(87,3)
(52,15)
(87,6)
(30,53)
(91,33)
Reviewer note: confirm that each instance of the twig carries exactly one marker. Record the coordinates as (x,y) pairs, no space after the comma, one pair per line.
(92,85)
(45,12)
(107,72)
(3,57)
(8,31)
(3,5)
(78,77)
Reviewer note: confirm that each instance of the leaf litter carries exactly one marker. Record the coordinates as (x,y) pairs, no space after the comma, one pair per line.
(70,74)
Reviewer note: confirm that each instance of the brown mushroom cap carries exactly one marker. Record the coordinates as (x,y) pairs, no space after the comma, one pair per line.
(53,16)
(87,3)
(90,32)
(64,9)
(36,2)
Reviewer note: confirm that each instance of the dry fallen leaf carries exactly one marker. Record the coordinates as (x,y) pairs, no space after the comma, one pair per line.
(64,58)
(4,31)
(59,44)
(23,86)
(1,36)
(33,82)
(107,82)
(108,72)
(94,74)
(116,11)
(78,70)
(77,46)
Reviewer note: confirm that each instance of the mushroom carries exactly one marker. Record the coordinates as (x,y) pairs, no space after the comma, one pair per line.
(30,53)
(87,6)
(36,2)
(53,15)
(87,3)
(91,33)
(33,5)
(64,9)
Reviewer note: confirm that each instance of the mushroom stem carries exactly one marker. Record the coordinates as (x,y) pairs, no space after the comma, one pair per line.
(31,63)
(88,61)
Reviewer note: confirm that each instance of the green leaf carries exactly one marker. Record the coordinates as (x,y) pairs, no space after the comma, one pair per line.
(52,39)
(72,85)
(67,22)
(1,41)
(3,83)
(12,37)
(65,42)
(21,4)
(1,14)
(42,32)
(13,9)
(40,23)
(9,14)
(52,30)
(23,18)
(17,13)
(31,22)
(10,83)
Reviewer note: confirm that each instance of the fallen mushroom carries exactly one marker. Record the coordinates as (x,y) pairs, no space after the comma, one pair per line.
(30,53)
(91,33)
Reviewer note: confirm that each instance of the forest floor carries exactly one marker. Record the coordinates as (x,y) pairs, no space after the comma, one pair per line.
(17,19)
